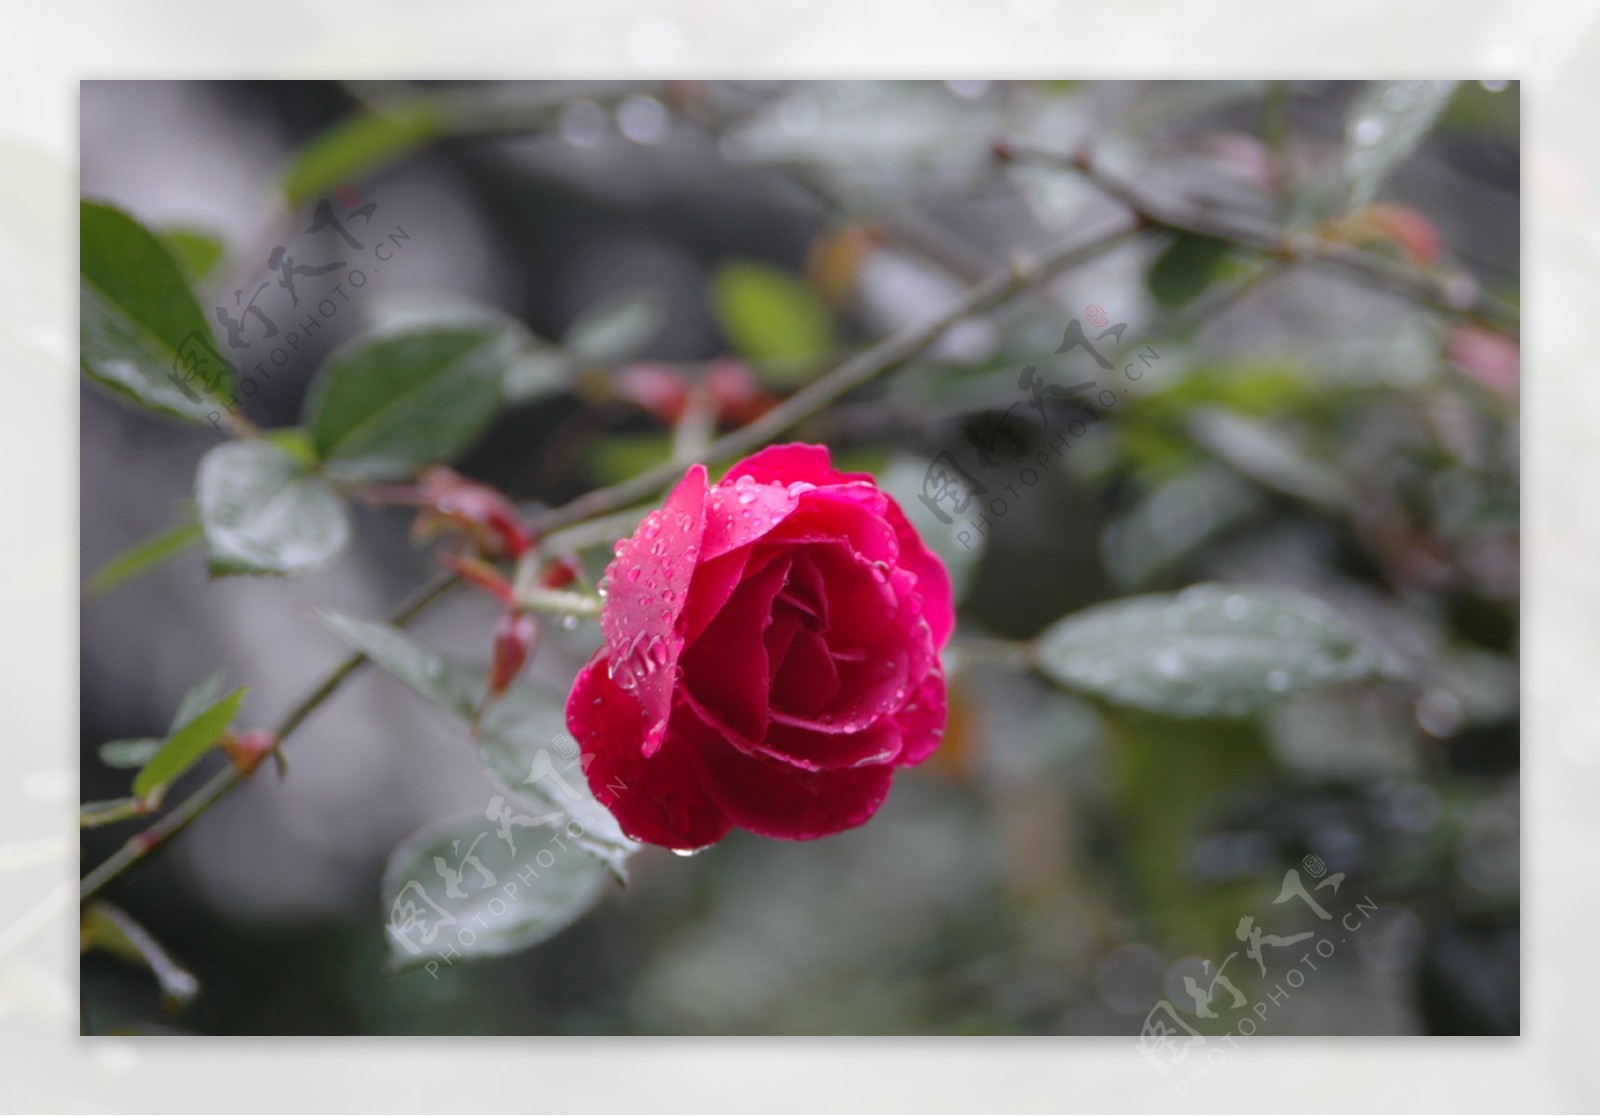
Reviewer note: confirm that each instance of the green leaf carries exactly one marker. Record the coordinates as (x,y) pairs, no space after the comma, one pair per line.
(1269,457)
(1174,520)
(616,327)
(524,743)
(1182,272)
(140,558)
(522,738)
(262,513)
(536,371)
(107,927)
(360,146)
(141,331)
(196,251)
(1210,651)
(199,697)
(457,877)
(183,749)
(446,683)
(772,319)
(384,408)
(129,753)
(1386,122)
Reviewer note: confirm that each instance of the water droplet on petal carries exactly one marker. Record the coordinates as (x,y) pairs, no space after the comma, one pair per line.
(633,574)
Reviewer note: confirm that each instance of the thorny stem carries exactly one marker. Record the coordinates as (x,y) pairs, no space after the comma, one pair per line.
(1455,295)
(137,847)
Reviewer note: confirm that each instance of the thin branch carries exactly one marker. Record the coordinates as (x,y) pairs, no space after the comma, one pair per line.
(139,846)
(1458,294)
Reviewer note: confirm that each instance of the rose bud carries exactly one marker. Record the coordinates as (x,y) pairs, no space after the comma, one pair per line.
(450,502)
(514,640)
(246,750)
(738,396)
(770,656)
(660,389)
(561,573)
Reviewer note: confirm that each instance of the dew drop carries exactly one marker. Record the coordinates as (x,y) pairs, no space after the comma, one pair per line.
(569,623)
(1236,607)
(633,574)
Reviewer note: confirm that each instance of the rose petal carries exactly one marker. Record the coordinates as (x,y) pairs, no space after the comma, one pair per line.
(657,799)
(824,514)
(739,513)
(786,464)
(712,585)
(878,743)
(648,583)
(776,799)
(923,718)
(726,668)
(933,579)
(806,680)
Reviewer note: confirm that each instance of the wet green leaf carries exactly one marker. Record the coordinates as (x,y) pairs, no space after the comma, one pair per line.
(524,743)
(445,682)
(140,558)
(141,331)
(462,885)
(383,408)
(262,513)
(1386,122)
(1209,651)
(184,748)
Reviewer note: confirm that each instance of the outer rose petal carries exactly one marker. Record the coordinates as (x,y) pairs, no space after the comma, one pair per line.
(658,799)
(738,514)
(796,461)
(933,580)
(922,720)
(649,583)
(774,799)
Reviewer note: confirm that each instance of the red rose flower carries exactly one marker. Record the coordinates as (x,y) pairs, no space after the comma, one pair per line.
(771,656)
